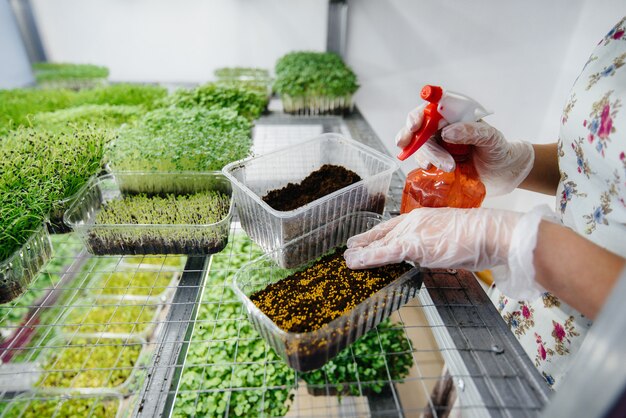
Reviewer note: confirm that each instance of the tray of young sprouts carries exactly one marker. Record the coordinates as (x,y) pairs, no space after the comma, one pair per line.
(176,213)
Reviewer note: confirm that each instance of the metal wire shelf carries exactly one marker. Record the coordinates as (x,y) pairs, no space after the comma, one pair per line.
(201,357)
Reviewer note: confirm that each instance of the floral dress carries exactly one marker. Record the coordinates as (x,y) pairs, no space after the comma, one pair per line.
(590,200)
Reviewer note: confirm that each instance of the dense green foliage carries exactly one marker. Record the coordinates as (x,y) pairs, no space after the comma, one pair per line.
(90,363)
(39,168)
(382,354)
(18,106)
(101,407)
(118,318)
(132,283)
(13,313)
(242,72)
(175,139)
(50,71)
(304,73)
(196,209)
(97,115)
(225,352)
(247,102)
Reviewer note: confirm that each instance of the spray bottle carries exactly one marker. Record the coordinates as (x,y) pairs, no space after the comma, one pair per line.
(434,187)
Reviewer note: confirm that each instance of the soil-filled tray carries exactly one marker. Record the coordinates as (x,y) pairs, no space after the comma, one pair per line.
(254,178)
(186,213)
(309,314)
(17,271)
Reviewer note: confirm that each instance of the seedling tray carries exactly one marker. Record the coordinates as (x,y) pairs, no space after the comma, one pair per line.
(130,239)
(130,285)
(311,350)
(317,105)
(44,404)
(18,270)
(253,178)
(113,317)
(84,377)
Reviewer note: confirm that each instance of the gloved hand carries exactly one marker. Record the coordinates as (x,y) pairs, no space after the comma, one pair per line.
(473,239)
(501,165)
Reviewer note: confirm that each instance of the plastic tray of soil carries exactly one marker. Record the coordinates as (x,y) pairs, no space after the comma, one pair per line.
(17,271)
(44,404)
(113,317)
(257,177)
(93,364)
(151,235)
(289,295)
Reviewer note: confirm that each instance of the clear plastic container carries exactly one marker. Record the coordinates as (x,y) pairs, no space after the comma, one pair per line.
(123,239)
(317,105)
(17,271)
(311,350)
(107,316)
(83,375)
(55,221)
(42,403)
(253,178)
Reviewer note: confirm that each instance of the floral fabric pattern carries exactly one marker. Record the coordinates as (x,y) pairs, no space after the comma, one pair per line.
(590,199)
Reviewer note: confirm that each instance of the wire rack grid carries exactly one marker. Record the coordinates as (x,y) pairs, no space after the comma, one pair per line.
(166,336)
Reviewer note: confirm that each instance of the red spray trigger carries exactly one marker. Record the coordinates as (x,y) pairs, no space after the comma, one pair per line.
(430,123)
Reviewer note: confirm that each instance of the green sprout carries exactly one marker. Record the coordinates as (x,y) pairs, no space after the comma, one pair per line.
(39,169)
(119,319)
(242,72)
(202,219)
(107,116)
(132,283)
(247,102)
(90,363)
(101,407)
(316,81)
(47,71)
(366,362)
(174,139)
(236,355)
(18,106)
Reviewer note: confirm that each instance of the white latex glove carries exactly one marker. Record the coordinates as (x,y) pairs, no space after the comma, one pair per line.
(501,165)
(472,239)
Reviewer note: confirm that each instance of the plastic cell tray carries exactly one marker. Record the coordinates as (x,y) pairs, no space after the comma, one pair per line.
(131,239)
(18,270)
(253,178)
(311,350)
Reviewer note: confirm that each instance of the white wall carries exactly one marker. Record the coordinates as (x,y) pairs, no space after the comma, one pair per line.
(518,59)
(15,66)
(178,41)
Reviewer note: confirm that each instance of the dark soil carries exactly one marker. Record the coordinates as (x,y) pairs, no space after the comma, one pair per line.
(310,298)
(324,181)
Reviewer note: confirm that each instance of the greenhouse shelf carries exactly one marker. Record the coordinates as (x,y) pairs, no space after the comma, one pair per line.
(203,358)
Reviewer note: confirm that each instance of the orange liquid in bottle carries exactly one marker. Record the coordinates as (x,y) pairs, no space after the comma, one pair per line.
(435,188)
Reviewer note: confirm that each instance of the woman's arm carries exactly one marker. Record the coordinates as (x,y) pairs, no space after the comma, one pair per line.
(544,177)
(575,269)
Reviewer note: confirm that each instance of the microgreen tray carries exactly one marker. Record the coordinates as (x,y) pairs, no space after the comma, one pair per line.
(93,364)
(307,351)
(149,238)
(17,271)
(112,316)
(317,105)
